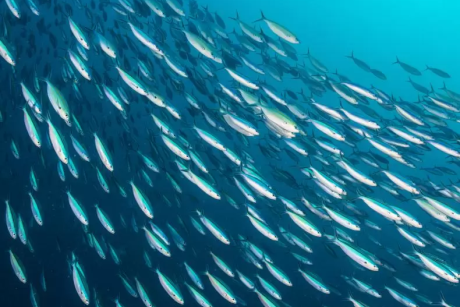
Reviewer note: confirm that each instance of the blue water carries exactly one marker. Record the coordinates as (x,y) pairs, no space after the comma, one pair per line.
(417,32)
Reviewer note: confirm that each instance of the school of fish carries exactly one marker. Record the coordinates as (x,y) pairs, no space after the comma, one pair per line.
(177,120)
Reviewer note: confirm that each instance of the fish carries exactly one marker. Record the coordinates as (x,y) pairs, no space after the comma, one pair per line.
(361,64)
(142,201)
(146,40)
(279,30)
(79,35)
(79,65)
(214,229)
(438,72)
(315,281)
(105,220)
(199,298)
(222,288)
(356,254)
(104,154)
(32,130)
(142,293)
(31,100)
(401,298)
(408,68)
(203,46)
(58,142)
(58,101)
(79,280)
(170,288)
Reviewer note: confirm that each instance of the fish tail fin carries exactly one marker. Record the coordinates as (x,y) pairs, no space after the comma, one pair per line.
(332,238)
(48,116)
(443,300)
(262,17)
(206,271)
(427,67)
(350,56)
(415,249)
(340,102)
(349,298)
(397,61)
(409,79)
(235,18)
(307,55)
(443,86)
(48,77)
(358,191)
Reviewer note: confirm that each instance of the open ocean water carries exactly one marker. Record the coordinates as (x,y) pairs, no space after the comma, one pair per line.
(218,153)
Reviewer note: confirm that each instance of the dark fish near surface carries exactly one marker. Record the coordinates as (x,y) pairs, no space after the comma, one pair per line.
(219,20)
(433,170)
(378,74)
(361,64)
(291,51)
(420,87)
(446,170)
(438,72)
(453,95)
(342,78)
(412,70)
(316,63)
(369,111)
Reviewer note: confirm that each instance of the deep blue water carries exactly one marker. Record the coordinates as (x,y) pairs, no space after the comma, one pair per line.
(417,32)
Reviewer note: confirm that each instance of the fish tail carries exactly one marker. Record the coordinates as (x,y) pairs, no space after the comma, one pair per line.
(262,14)
(262,17)
(397,61)
(236,18)
(443,300)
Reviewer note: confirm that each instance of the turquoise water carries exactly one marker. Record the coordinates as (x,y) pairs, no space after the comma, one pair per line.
(378,31)
(419,33)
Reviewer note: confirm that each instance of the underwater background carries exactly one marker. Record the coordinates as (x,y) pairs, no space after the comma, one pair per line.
(419,33)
